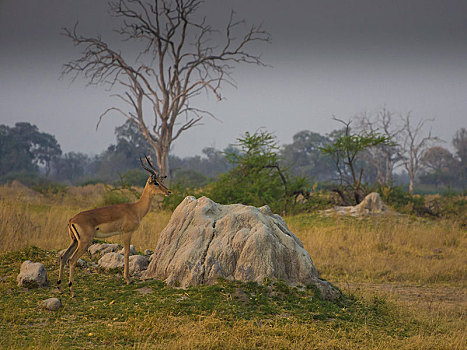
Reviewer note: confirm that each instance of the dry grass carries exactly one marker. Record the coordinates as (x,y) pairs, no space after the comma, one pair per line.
(394,249)
(28,218)
(420,266)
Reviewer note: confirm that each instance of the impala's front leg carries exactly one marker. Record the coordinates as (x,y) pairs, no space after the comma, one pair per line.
(126,251)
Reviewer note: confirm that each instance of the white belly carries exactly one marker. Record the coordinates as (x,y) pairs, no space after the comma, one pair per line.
(100,234)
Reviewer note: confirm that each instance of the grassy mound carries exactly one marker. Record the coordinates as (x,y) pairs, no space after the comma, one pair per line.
(149,314)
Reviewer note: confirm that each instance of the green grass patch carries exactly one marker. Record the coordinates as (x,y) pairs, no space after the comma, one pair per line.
(107,312)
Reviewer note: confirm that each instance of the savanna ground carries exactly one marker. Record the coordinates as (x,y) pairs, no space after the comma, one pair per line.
(404,284)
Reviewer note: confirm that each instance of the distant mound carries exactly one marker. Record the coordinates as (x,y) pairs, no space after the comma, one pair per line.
(371,205)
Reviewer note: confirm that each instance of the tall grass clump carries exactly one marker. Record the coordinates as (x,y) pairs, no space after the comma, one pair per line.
(385,249)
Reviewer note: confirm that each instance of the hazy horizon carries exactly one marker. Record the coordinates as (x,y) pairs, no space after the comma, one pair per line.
(328,58)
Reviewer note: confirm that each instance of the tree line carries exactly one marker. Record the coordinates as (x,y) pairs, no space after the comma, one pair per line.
(368,149)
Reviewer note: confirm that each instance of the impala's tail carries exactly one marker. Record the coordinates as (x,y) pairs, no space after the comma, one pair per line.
(73,232)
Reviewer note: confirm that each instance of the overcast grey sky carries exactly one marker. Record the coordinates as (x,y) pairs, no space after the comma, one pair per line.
(328,58)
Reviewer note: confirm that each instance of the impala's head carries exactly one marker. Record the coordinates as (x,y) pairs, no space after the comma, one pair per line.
(154,182)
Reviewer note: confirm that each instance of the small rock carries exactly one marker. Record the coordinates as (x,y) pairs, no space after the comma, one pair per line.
(51,304)
(59,255)
(103,248)
(240,295)
(111,261)
(79,263)
(144,290)
(32,275)
(138,263)
(132,250)
(148,252)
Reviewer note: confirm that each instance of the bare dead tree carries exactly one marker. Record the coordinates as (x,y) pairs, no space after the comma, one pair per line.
(384,157)
(413,145)
(179,60)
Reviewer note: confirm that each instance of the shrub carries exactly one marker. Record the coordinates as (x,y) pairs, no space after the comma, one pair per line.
(257,178)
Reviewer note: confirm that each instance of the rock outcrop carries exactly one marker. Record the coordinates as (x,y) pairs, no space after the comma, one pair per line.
(32,275)
(205,241)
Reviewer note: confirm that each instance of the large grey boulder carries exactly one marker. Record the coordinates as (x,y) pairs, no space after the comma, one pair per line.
(32,275)
(205,240)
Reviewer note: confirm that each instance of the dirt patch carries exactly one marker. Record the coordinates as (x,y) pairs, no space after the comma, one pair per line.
(452,298)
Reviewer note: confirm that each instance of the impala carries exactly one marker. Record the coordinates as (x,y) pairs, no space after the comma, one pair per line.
(110,221)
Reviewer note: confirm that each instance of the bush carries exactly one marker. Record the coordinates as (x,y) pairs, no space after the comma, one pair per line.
(26,178)
(257,178)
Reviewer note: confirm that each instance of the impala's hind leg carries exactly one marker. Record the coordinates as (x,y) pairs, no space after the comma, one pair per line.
(82,246)
(63,260)
(83,235)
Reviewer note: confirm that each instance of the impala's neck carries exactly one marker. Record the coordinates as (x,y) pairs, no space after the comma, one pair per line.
(142,205)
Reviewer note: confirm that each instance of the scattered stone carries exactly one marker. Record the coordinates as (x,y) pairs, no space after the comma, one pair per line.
(32,275)
(111,261)
(205,241)
(79,263)
(144,290)
(52,304)
(100,249)
(132,250)
(147,252)
(138,263)
(240,295)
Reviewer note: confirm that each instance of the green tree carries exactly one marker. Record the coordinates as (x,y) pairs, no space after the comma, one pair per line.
(344,151)
(304,156)
(24,148)
(257,178)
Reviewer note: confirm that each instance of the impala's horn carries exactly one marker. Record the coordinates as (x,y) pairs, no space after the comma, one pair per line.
(150,164)
(151,171)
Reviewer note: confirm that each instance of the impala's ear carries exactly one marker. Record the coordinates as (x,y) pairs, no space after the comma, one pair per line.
(164,177)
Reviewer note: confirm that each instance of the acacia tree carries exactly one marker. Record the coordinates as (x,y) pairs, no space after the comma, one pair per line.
(179,60)
(344,151)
